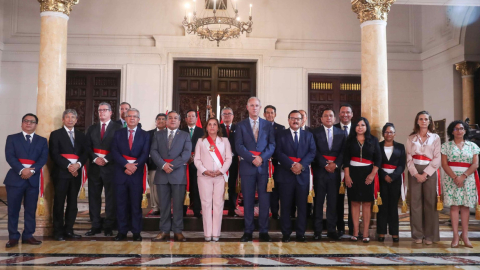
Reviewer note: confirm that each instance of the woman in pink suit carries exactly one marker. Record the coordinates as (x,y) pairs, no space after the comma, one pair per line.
(213,156)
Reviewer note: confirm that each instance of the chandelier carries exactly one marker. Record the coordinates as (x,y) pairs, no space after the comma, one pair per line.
(216,27)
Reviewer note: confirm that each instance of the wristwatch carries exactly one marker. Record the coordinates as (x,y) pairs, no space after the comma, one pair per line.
(465,174)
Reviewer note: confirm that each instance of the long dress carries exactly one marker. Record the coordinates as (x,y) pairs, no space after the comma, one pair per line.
(361,192)
(453,195)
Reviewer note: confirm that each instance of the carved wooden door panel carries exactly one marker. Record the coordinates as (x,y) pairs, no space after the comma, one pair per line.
(86,89)
(195,81)
(330,92)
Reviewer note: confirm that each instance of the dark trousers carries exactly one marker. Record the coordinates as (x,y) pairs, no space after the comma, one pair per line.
(388,211)
(167,193)
(129,206)
(96,183)
(293,193)
(66,189)
(341,211)
(250,184)
(29,194)
(232,184)
(350,219)
(325,184)
(194,194)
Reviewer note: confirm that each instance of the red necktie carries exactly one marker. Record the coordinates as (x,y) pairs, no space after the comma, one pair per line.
(228,131)
(130,139)
(102,132)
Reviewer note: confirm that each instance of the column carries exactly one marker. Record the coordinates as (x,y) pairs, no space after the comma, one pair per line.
(52,75)
(468,69)
(373,18)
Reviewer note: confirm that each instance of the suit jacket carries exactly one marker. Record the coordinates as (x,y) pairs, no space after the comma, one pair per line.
(245,142)
(337,125)
(204,161)
(93,141)
(285,148)
(276,129)
(180,152)
(398,159)
(119,121)
(231,139)
(307,128)
(197,134)
(338,147)
(17,148)
(60,144)
(140,150)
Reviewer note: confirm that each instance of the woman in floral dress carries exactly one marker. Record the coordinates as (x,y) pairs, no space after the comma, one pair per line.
(459,161)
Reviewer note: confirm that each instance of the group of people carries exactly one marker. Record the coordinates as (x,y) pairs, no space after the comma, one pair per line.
(292,171)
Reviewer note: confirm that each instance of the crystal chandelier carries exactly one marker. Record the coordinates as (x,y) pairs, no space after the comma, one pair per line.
(213,27)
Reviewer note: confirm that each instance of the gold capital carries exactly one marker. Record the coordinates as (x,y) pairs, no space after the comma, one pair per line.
(467,68)
(64,6)
(369,10)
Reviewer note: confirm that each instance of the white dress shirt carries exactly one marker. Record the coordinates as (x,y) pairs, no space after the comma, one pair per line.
(348,127)
(68,132)
(293,134)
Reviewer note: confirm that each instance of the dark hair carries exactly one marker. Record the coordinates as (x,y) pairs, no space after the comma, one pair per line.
(452,126)
(186,114)
(270,107)
(327,109)
(123,103)
(352,138)
(294,111)
(170,112)
(346,105)
(416,127)
(205,132)
(387,125)
(30,114)
(161,114)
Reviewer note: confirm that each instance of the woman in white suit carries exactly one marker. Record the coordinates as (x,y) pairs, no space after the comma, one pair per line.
(213,157)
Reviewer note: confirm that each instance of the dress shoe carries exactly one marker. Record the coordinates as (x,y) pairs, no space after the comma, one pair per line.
(137,237)
(246,237)
(286,238)
(163,236)
(381,239)
(71,235)
(333,236)
(396,239)
(11,243)
(215,238)
(340,233)
(59,238)
(93,231)
(155,213)
(108,232)
(208,239)
(317,236)
(264,237)
(31,241)
(179,237)
(275,216)
(301,238)
(120,237)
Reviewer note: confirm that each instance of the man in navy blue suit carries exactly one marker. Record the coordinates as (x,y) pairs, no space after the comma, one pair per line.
(330,143)
(295,150)
(255,144)
(130,150)
(26,153)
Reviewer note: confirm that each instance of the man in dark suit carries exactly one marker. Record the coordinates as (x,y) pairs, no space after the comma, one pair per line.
(330,143)
(160,124)
(171,149)
(255,144)
(26,153)
(228,130)
(100,172)
(270,112)
(69,153)
(130,148)
(295,150)
(305,120)
(345,115)
(195,133)
(124,107)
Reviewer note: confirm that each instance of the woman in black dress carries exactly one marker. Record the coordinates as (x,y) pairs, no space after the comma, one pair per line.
(361,161)
(390,176)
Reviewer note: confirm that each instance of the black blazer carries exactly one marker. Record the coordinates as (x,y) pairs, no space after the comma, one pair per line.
(151,165)
(338,147)
(93,141)
(197,134)
(276,129)
(231,139)
(337,125)
(398,159)
(60,144)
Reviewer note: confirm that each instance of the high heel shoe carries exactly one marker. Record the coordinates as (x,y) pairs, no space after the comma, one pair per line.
(455,245)
(469,245)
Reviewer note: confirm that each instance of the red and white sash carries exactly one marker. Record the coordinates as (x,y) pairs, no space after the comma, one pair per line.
(27,163)
(390,169)
(361,162)
(71,157)
(100,152)
(342,173)
(145,171)
(463,167)
(215,154)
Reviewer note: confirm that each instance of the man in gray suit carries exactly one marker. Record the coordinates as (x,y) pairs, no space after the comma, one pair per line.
(171,149)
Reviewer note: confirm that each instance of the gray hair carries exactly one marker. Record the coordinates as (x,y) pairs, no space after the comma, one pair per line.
(67,111)
(134,110)
(105,104)
(259,102)
(227,108)
(170,112)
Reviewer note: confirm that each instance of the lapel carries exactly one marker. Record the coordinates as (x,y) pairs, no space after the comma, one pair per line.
(65,134)
(175,139)
(24,142)
(34,141)
(108,130)
(249,128)
(136,138)
(396,152)
(77,139)
(290,139)
(301,141)
(382,149)
(261,125)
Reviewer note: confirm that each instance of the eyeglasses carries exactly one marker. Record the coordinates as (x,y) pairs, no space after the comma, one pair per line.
(132,116)
(103,110)
(29,121)
(389,132)
(227,114)
(459,129)
(295,119)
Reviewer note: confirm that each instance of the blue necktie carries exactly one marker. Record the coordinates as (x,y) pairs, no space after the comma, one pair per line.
(28,140)
(71,138)
(329,139)
(295,140)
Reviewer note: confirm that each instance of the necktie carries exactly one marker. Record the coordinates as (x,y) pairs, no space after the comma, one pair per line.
(255,130)
(71,138)
(124,123)
(295,140)
(28,140)
(170,140)
(102,132)
(329,139)
(130,139)
(191,133)
(228,131)
(345,130)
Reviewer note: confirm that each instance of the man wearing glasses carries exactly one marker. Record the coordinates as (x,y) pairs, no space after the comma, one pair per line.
(228,130)
(100,172)
(26,153)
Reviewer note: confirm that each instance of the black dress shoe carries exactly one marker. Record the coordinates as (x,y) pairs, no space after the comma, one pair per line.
(333,236)
(93,231)
(155,213)
(108,232)
(247,237)
(120,237)
(301,238)
(137,237)
(72,236)
(381,239)
(317,236)
(275,216)
(264,237)
(59,238)
(286,238)
(340,233)
(11,243)
(396,239)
